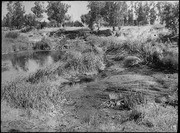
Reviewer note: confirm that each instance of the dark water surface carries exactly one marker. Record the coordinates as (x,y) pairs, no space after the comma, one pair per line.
(16,64)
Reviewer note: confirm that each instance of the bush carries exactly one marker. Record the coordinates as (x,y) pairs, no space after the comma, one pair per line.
(78,24)
(170,61)
(132,99)
(26,29)
(44,44)
(93,40)
(82,62)
(79,45)
(12,35)
(107,32)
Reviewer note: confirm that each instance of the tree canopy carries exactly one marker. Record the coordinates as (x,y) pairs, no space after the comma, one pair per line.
(57,10)
(117,13)
(38,9)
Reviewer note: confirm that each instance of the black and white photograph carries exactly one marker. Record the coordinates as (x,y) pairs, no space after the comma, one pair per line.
(89,66)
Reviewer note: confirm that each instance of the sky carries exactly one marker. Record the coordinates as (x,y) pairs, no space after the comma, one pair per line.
(75,11)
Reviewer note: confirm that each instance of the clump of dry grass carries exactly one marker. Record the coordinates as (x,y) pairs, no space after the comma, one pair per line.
(132,99)
(82,62)
(22,94)
(170,60)
(162,119)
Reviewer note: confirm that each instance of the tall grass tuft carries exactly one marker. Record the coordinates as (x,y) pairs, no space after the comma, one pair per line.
(22,94)
(44,44)
(132,99)
(82,62)
(170,60)
(12,35)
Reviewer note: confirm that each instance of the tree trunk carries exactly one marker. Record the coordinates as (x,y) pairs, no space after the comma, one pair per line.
(114,28)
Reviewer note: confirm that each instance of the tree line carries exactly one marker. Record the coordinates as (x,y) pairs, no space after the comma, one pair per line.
(16,17)
(114,13)
(110,13)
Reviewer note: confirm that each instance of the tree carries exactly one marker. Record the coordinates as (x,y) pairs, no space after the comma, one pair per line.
(85,18)
(123,11)
(30,20)
(152,15)
(130,17)
(146,12)
(57,10)
(159,7)
(170,15)
(38,9)
(18,15)
(78,24)
(110,13)
(139,12)
(67,17)
(115,13)
(15,15)
(7,20)
(95,13)
(53,23)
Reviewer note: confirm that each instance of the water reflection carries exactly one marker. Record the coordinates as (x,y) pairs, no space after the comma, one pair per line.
(27,62)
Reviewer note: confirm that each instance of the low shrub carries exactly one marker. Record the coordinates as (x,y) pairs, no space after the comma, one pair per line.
(44,44)
(93,40)
(132,99)
(170,61)
(26,29)
(117,46)
(12,35)
(79,45)
(106,33)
